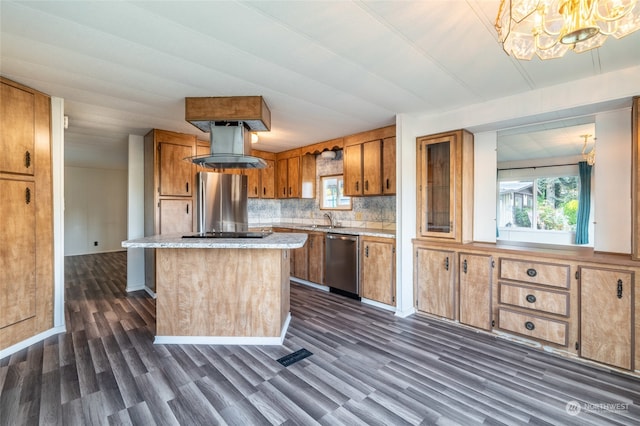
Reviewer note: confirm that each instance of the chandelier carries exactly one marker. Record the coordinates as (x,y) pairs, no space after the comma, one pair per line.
(589,157)
(548,28)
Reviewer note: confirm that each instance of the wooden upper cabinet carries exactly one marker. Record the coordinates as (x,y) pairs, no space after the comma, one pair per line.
(352,170)
(369,162)
(17,130)
(372,167)
(253,183)
(295,175)
(175,172)
(268,180)
(445,186)
(389,166)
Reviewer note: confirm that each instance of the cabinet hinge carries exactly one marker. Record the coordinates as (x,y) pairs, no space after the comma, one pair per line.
(393,250)
(493,323)
(493,263)
(416,303)
(577,346)
(577,275)
(393,298)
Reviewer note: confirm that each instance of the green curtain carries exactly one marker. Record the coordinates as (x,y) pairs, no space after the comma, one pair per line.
(584,203)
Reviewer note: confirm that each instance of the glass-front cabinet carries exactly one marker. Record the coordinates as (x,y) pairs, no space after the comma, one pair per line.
(445,186)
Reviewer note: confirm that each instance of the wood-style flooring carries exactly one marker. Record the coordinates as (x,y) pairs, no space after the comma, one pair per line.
(368,367)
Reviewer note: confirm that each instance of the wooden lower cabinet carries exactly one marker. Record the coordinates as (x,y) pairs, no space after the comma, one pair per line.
(564,301)
(300,262)
(377,270)
(176,216)
(17,254)
(476,273)
(434,281)
(606,319)
(315,256)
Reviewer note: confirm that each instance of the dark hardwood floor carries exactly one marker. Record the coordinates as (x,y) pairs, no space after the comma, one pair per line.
(368,367)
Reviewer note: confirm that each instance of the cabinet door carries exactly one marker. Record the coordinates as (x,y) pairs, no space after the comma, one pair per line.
(17,130)
(372,167)
(437,187)
(300,262)
(268,180)
(282,172)
(176,216)
(377,271)
(175,171)
(389,166)
(17,252)
(352,170)
(435,282)
(475,290)
(293,177)
(253,183)
(316,258)
(605,316)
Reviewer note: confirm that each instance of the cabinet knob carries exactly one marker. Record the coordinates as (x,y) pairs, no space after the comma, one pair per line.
(464,266)
(366,185)
(187,186)
(27,195)
(387,183)
(531,298)
(27,159)
(532,272)
(529,326)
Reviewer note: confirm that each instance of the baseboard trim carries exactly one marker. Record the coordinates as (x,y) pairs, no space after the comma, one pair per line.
(225,340)
(31,341)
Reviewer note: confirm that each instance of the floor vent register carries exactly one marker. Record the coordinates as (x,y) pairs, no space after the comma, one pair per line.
(294,357)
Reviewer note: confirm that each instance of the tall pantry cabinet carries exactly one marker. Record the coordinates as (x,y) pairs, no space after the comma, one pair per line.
(26,214)
(169,181)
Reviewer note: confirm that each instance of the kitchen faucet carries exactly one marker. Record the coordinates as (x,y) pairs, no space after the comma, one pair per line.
(330,219)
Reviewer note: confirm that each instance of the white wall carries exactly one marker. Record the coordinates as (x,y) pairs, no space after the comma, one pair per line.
(135,212)
(95,210)
(600,94)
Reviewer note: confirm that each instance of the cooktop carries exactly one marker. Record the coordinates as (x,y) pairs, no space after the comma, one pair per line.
(229,234)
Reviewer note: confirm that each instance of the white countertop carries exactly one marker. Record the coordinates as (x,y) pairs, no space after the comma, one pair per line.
(370,232)
(276,240)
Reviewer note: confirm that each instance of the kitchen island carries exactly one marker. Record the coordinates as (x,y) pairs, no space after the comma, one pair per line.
(222,290)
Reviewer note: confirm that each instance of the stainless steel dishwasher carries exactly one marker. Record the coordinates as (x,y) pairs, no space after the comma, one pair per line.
(342,262)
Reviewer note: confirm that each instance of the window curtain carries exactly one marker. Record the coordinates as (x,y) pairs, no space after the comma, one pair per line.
(584,203)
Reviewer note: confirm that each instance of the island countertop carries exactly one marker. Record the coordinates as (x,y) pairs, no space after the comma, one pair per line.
(275,240)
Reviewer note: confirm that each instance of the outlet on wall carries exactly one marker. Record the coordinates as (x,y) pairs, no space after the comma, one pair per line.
(358,215)
(95,243)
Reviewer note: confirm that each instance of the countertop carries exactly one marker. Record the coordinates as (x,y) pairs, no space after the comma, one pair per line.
(276,240)
(370,232)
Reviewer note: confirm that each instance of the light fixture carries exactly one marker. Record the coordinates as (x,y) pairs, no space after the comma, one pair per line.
(254,137)
(328,155)
(589,157)
(548,28)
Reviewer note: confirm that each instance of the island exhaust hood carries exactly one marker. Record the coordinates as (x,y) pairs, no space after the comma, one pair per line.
(229,122)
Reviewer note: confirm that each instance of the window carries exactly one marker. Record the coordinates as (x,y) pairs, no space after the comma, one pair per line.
(538,205)
(332,193)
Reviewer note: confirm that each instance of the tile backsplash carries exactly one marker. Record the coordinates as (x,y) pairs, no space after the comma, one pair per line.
(367,212)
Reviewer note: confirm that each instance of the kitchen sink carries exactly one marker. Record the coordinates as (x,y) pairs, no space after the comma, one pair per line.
(322,226)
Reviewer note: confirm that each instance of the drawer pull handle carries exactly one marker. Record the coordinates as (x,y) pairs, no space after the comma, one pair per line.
(529,325)
(619,289)
(532,272)
(531,298)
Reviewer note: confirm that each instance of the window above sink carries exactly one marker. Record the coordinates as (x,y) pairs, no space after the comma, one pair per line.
(332,193)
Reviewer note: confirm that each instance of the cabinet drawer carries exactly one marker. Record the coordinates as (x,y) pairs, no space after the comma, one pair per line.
(535,272)
(553,302)
(533,326)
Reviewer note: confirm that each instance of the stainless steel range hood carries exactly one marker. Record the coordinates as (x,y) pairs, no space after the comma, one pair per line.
(229,122)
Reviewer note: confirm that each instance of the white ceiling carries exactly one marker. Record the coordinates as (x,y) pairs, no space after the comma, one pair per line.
(325,68)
